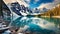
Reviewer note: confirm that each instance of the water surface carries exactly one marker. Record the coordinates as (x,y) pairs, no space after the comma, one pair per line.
(38,25)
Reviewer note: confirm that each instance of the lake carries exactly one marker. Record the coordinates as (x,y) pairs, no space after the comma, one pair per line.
(37,25)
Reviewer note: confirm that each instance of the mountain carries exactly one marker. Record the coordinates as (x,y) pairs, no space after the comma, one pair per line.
(53,12)
(44,9)
(0,8)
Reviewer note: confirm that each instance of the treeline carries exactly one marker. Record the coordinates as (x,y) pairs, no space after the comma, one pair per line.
(54,12)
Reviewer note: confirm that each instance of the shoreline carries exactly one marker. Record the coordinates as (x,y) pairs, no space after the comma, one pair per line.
(51,16)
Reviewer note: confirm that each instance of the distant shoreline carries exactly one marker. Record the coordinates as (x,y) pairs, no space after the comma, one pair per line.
(52,16)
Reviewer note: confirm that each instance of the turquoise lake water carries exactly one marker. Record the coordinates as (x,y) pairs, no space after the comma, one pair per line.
(39,25)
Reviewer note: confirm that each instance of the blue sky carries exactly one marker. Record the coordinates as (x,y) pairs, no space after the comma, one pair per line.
(40,4)
(36,3)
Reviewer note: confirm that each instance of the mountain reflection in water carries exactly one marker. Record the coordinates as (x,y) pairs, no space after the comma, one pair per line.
(37,25)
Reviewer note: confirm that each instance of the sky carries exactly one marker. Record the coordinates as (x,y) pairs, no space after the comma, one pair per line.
(36,3)
(42,3)
(49,4)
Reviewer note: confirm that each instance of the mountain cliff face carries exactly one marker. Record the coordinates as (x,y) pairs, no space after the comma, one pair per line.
(53,12)
(1,8)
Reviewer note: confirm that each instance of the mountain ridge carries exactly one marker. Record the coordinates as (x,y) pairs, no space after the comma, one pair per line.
(53,12)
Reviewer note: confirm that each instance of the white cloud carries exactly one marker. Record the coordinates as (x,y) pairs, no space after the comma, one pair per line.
(35,1)
(49,5)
